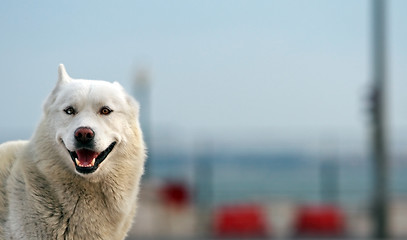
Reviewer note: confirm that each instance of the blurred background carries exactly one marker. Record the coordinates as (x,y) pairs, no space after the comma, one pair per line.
(264,119)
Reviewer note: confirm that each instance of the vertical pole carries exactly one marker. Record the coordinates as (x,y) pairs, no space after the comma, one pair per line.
(329,181)
(204,177)
(379,152)
(142,92)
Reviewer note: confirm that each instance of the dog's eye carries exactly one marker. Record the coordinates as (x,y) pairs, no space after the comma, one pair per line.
(105,110)
(70,110)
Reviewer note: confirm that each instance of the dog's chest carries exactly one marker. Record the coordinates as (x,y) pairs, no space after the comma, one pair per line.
(75,214)
(95,215)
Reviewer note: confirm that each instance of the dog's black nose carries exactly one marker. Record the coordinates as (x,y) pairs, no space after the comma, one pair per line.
(84,135)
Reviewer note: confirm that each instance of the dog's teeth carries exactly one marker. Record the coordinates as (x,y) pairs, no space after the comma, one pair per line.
(93,162)
(77,162)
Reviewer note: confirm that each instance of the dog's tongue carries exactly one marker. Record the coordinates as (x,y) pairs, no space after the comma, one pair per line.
(86,156)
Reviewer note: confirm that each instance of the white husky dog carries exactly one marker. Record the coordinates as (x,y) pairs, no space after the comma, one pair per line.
(78,177)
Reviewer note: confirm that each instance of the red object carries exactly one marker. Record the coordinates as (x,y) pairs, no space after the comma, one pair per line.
(240,221)
(320,220)
(175,194)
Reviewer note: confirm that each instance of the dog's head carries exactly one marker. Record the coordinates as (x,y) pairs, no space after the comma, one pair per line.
(91,122)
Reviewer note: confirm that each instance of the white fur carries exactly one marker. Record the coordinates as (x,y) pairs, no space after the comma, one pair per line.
(42,196)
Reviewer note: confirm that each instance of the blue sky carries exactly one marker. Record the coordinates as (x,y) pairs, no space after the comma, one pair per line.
(217,67)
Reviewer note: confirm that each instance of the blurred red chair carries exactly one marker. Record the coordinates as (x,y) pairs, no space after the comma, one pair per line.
(175,194)
(320,221)
(240,221)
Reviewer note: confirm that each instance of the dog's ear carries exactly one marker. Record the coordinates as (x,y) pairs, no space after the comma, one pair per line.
(133,103)
(63,76)
(117,84)
(135,106)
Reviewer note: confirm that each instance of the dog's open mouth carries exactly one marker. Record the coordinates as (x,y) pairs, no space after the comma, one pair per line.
(87,161)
